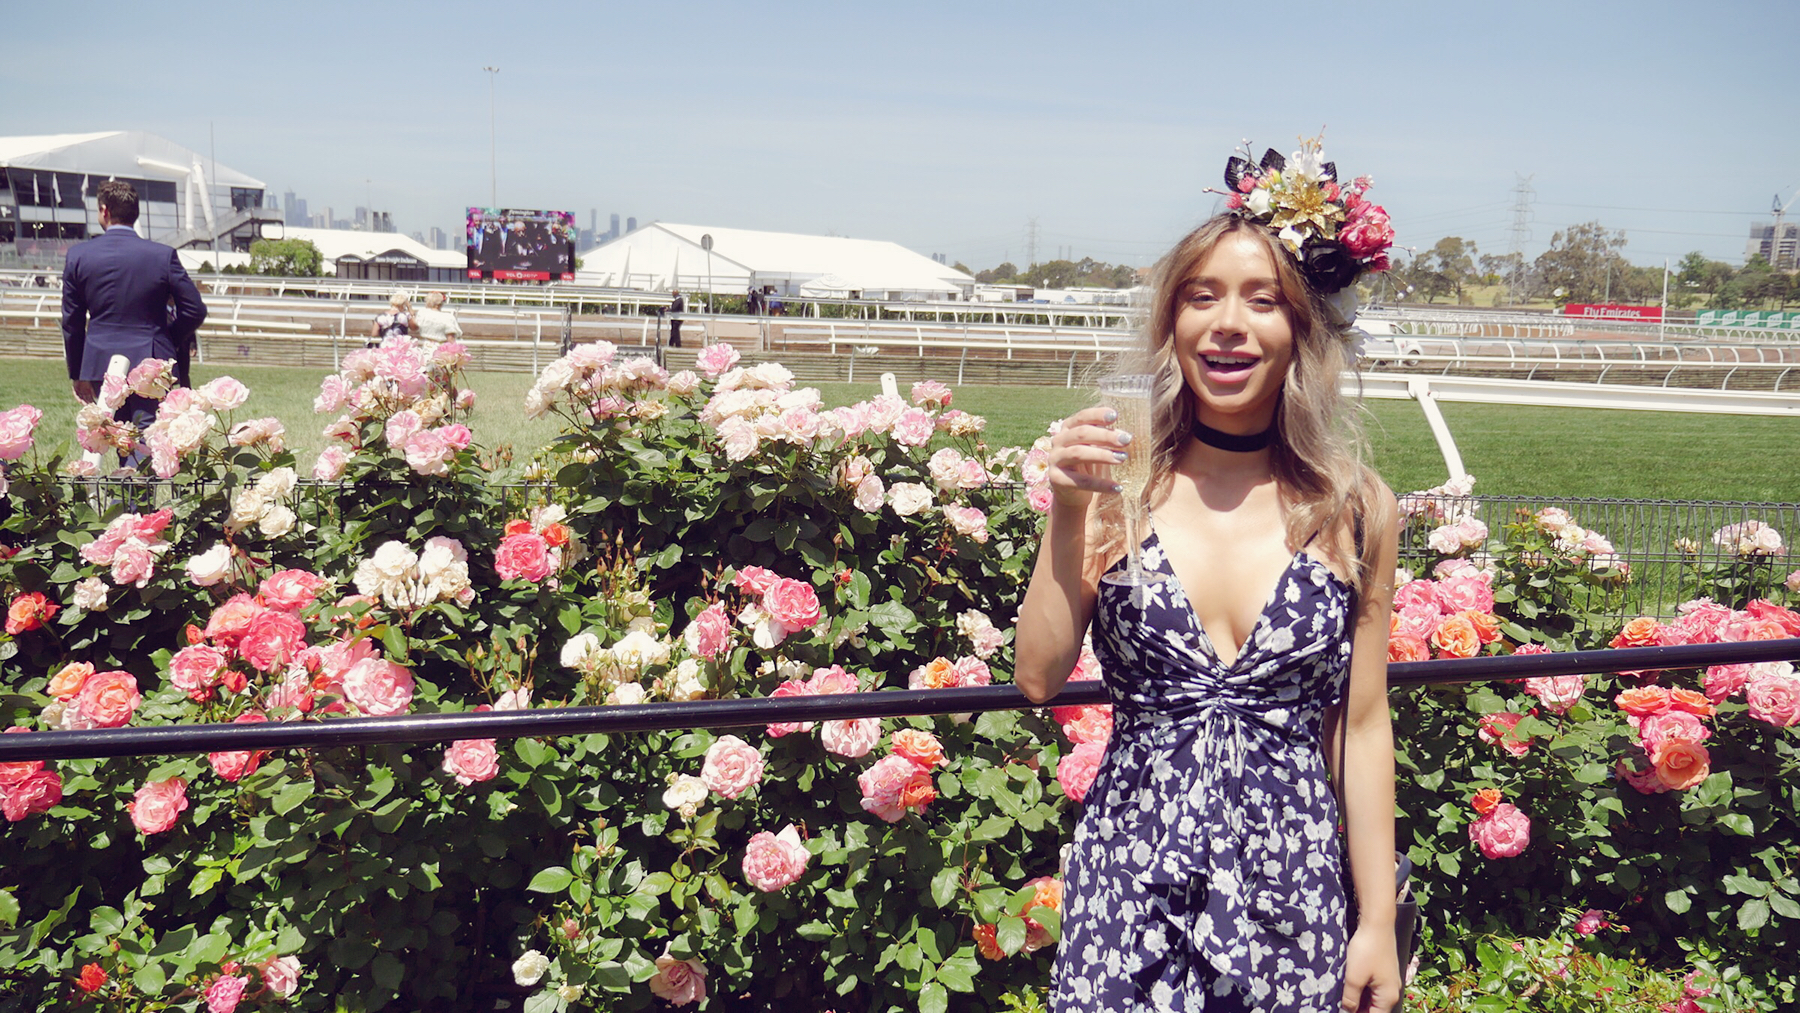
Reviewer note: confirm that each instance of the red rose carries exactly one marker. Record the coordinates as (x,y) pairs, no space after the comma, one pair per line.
(93,978)
(34,793)
(272,640)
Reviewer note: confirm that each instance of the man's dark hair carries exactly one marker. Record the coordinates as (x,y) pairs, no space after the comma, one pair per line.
(120,201)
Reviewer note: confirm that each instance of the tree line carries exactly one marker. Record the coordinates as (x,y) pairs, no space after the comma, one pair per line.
(1584,264)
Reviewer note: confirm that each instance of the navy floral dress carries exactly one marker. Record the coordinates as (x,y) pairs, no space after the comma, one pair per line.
(1206,872)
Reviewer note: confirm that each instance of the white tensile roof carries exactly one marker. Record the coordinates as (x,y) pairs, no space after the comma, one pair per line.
(337,243)
(122,153)
(664,255)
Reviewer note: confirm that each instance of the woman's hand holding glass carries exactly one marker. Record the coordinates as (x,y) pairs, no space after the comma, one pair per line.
(1082,454)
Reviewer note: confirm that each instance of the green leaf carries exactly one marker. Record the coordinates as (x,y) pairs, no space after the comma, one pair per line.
(389,971)
(958,971)
(555,879)
(292,795)
(933,998)
(9,908)
(943,885)
(1011,934)
(1678,901)
(1753,915)
(1784,905)
(106,921)
(394,638)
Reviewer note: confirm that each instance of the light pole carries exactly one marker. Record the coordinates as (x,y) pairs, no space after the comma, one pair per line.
(493,143)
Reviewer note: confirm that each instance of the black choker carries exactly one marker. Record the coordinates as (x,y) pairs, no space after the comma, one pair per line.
(1232,441)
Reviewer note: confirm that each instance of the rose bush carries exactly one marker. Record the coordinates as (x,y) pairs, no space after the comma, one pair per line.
(713,538)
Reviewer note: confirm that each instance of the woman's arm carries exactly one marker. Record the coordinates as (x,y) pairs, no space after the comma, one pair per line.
(1059,601)
(1372,970)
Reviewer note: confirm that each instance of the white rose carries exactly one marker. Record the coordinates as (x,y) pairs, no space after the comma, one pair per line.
(276,521)
(246,507)
(581,652)
(90,594)
(1258,201)
(556,376)
(530,967)
(769,375)
(211,566)
(687,682)
(537,403)
(909,498)
(869,494)
(394,560)
(568,993)
(685,794)
(627,693)
(187,431)
(638,650)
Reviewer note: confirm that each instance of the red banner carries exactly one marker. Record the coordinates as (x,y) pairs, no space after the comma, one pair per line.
(1612,311)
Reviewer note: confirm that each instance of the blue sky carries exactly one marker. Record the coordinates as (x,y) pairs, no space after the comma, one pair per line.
(948,126)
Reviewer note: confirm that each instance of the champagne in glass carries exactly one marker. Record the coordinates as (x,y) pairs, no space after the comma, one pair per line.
(1130,395)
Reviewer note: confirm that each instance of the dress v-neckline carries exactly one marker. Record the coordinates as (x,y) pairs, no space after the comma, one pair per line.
(1262,616)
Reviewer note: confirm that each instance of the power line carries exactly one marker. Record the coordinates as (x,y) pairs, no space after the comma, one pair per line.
(1670,211)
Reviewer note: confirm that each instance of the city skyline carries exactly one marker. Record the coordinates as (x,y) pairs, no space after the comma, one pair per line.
(952,130)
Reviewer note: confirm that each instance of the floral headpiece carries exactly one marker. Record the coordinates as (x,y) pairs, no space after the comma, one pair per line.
(1328,226)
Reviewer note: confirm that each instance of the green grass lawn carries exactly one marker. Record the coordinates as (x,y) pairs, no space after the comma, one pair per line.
(1511,450)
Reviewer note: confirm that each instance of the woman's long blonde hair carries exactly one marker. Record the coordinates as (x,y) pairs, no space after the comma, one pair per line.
(1318,451)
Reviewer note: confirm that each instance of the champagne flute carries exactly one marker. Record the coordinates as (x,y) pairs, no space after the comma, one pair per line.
(1130,395)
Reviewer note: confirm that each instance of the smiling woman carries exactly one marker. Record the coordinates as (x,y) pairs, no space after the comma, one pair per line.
(1205,873)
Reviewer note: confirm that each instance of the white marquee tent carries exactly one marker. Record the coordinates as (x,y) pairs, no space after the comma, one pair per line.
(663,256)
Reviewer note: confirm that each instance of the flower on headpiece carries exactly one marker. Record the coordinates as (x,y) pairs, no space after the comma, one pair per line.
(1331,228)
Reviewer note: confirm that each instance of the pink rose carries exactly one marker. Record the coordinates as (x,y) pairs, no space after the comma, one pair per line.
(1039,497)
(792,687)
(379,687)
(157,805)
(732,766)
(679,982)
(709,635)
(755,579)
(1087,724)
(832,680)
(524,556)
(281,975)
(290,590)
(1725,681)
(1772,698)
(793,604)
(107,699)
(921,747)
(16,427)
(36,792)
(967,521)
(456,436)
(331,462)
(1367,232)
(1670,726)
(716,358)
(1459,593)
(774,861)
(1076,770)
(1498,730)
(272,640)
(230,620)
(224,394)
(235,764)
(471,760)
(889,786)
(1418,619)
(196,670)
(913,428)
(1559,693)
(852,738)
(428,454)
(1591,922)
(333,394)
(223,994)
(1502,833)
(14,771)
(931,394)
(971,672)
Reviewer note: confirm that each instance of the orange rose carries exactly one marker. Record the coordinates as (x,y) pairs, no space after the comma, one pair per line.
(1455,637)
(93,978)
(920,747)
(556,534)
(918,791)
(67,682)
(1486,800)
(1487,624)
(1750,629)
(518,526)
(1048,892)
(1643,701)
(1680,765)
(1690,701)
(29,612)
(1393,623)
(987,940)
(1406,647)
(1640,632)
(939,673)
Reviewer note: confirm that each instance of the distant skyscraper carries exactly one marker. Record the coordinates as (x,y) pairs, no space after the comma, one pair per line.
(593,220)
(631,225)
(439,241)
(362,217)
(288,200)
(614,232)
(297,212)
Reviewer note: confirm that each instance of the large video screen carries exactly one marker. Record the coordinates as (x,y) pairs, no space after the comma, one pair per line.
(514,245)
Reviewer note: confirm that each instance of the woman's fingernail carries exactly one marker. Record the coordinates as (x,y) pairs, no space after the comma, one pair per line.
(1124,439)
(1111,416)
(1117,488)
(1119,456)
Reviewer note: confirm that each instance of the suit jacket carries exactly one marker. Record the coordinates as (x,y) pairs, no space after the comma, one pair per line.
(116,296)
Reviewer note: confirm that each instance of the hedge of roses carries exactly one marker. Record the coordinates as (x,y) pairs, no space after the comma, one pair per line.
(712,536)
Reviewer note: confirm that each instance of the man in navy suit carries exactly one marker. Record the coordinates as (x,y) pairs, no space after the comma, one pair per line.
(124,295)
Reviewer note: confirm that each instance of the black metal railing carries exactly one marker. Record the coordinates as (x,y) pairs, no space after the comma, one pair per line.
(165,740)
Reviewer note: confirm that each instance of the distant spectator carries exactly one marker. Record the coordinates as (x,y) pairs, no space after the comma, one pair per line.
(435,324)
(676,306)
(396,322)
